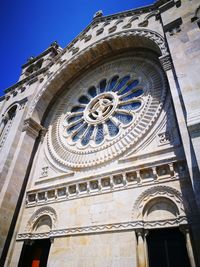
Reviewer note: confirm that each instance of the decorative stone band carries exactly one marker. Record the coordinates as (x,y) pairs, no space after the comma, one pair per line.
(124,226)
(108,183)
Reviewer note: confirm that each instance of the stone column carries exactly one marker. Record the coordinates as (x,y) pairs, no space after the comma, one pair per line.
(146,232)
(141,248)
(16,179)
(185,231)
(3,123)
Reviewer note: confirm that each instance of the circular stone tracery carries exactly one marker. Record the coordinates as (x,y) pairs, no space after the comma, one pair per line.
(102,111)
(100,108)
(105,119)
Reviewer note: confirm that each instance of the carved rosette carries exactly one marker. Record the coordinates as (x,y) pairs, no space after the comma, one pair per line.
(106,112)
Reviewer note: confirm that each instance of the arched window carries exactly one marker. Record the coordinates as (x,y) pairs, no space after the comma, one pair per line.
(6,123)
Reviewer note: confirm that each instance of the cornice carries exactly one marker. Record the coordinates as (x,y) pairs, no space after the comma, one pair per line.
(117,181)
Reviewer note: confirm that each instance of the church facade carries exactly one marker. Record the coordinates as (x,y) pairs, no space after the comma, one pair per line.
(99,146)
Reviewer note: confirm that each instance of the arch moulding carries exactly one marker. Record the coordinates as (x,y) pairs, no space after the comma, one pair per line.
(155,193)
(63,71)
(49,211)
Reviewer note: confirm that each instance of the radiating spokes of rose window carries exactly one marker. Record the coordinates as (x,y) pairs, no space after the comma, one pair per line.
(128,92)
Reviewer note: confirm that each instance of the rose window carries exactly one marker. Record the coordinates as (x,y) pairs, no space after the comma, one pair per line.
(103,110)
(106,112)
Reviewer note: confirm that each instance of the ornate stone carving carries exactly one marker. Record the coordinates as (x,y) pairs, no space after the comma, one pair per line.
(47,210)
(107,183)
(164,138)
(149,34)
(104,106)
(145,22)
(44,171)
(122,226)
(155,192)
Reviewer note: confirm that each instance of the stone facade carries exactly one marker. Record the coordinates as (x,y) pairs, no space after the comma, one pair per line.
(99,141)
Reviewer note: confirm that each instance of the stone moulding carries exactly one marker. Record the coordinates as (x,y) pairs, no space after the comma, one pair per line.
(66,154)
(124,226)
(157,39)
(47,210)
(156,192)
(107,183)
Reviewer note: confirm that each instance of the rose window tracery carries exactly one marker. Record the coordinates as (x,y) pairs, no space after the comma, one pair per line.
(102,110)
(105,112)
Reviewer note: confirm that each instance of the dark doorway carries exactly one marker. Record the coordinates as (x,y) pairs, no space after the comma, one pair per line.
(167,248)
(35,253)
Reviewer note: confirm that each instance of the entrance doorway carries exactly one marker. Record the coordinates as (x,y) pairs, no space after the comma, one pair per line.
(35,254)
(167,248)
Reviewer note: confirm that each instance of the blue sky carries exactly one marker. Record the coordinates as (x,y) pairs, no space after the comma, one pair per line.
(28,27)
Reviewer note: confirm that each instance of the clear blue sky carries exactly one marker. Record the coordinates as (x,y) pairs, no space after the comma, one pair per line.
(27,27)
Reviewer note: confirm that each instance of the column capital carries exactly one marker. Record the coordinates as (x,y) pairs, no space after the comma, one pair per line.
(184,229)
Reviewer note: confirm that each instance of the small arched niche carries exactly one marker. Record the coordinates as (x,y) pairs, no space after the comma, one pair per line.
(43,224)
(160,209)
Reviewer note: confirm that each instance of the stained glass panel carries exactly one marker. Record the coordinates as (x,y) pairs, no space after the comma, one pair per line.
(80,132)
(74,118)
(100,134)
(112,128)
(112,83)
(129,87)
(132,95)
(130,106)
(86,139)
(92,91)
(123,118)
(84,99)
(102,85)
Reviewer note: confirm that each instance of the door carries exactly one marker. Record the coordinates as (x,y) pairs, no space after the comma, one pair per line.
(167,248)
(35,254)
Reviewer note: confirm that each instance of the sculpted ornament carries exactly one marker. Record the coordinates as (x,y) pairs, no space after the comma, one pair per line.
(49,211)
(106,112)
(158,192)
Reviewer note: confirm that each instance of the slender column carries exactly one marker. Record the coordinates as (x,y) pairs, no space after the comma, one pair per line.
(141,254)
(3,123)
(146,247)
(185,231)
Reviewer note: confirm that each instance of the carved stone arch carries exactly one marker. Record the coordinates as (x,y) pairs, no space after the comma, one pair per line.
(101,49)
(118,22)
(47,212)
(160,208)
(145,22)
(6,122)
(163,193)
(15,105)
(133,18)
